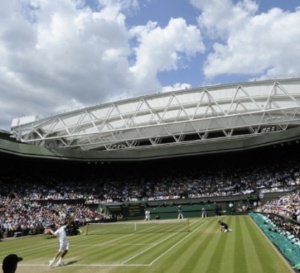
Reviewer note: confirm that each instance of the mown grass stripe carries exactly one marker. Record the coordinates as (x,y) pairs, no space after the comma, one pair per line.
(240,260)
(227,261)
(252,253)
(219,257)
(179,260)
(171,260)
(209,245)
(175,242)
(266,251)
(204,249)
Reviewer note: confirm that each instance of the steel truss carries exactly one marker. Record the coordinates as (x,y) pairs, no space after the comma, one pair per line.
(212,113)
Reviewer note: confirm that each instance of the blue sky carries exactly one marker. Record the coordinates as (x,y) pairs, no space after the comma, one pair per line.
(61,55)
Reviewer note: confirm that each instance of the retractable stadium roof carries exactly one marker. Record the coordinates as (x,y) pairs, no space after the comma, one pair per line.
(184,121)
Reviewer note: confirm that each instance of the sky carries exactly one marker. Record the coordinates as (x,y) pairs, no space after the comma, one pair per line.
(63,55)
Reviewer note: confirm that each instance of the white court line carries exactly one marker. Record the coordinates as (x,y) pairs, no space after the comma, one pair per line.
(102,244)
(123,263)
(175,244)
(86,265)
(117,239)
(160,243)
(153,245)
(50,244)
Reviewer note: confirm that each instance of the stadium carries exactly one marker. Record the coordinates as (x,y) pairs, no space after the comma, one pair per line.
(229,149)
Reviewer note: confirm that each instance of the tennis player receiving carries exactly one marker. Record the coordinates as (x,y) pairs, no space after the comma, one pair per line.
(224,226)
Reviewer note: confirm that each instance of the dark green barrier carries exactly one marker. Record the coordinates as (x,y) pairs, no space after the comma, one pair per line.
(189,211)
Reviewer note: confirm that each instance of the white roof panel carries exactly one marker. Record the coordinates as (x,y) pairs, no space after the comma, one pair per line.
(243,109)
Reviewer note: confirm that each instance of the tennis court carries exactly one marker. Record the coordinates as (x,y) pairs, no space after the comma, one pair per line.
(157,246)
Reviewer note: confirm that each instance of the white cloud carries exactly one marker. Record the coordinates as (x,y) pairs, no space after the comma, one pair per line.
(265,44)
(176,86)
(163,49)
(58,55)
(222,17)
(61,55)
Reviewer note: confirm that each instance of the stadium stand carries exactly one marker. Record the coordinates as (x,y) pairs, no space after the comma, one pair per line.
(36,193)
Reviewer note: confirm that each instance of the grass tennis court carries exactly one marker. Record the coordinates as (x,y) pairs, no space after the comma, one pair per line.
(157,249)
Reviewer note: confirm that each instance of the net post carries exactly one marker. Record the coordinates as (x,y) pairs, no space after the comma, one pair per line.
(134,226)
(87,229)
(188,225)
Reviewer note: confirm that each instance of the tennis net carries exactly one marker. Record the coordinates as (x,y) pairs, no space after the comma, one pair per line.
(163,226)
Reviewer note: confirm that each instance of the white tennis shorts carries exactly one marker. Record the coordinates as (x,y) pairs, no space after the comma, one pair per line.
(63,246)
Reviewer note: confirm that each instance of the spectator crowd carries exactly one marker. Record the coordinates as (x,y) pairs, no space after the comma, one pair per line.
(33,196)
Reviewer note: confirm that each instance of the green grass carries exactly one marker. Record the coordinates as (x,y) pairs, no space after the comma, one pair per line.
(203,249)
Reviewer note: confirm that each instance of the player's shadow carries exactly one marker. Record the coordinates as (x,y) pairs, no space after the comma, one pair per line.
(71,262)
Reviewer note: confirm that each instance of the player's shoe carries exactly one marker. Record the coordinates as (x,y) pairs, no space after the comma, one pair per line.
(59,264)
(226,230)
(51,263)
